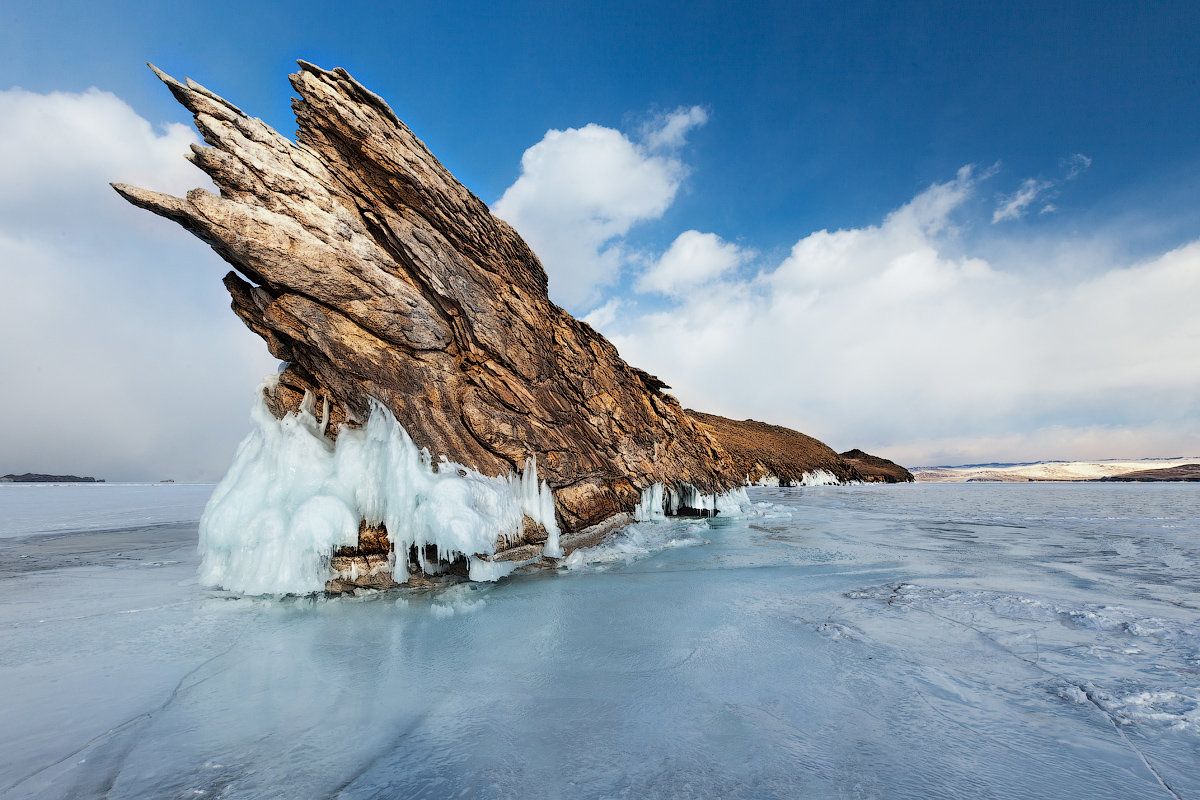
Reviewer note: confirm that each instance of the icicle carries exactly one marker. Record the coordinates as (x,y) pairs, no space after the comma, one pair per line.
(291,497)
(651,504)
(537,502)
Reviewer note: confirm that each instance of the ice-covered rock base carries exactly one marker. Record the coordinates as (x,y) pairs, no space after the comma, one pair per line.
(293,497)
(659,502)
(299,513)
(816,477)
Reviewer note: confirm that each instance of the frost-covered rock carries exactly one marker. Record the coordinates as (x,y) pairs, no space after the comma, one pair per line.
(413,321)
(368,268)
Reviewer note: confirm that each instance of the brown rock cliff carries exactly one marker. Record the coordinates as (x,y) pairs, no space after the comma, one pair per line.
(364,264)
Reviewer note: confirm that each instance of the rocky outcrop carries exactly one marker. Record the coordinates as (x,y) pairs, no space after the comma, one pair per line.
(366,265)
(378,277)
(36,477)
(761,451)
(873,469)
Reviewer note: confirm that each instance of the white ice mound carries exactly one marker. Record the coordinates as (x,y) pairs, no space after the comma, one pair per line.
(658,501)
(818,477)
(292,496)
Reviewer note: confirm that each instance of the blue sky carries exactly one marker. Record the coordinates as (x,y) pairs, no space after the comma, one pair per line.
(822,114)
(1080,119)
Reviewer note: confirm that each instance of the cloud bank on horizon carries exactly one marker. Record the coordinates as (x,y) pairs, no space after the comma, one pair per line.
(908,337)
(896,336)
(121,359)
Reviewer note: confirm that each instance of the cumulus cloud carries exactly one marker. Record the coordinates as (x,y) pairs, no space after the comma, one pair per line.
(896,336)
(602,316)
(121,359)
(581,190)
(692,261)
(63,148)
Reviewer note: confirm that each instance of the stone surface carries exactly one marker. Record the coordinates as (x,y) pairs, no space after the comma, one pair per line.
(366,265)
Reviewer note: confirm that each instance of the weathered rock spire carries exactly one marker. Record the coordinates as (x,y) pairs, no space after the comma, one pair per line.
(364,263)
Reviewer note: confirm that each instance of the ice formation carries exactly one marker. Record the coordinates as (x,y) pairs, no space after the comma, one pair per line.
(292,497)
(651,505)
(659,501)
(771,481)
(817,477)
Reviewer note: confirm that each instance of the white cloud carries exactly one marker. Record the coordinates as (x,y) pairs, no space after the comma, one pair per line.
(1015,205)
(669,131)
(897,337)
(121,358)
(602,316)
(692,261)
(121,353)
(1075,165)
(580,191)
(63,149)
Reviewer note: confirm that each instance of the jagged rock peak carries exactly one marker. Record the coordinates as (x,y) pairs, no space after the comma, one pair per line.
(366,265)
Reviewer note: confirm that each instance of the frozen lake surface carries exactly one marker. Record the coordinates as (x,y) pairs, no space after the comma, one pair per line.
(29,508)
(917,641)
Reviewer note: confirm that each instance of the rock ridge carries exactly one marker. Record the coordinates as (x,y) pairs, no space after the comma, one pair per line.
(378,277)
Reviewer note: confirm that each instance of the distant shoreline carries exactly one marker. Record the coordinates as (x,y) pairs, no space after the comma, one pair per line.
(34,477)
(1146,469)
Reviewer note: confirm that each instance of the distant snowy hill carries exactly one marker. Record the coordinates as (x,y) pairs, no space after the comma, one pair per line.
(1045,470)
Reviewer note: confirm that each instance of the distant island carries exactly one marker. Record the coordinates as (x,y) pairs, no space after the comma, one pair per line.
(33,477)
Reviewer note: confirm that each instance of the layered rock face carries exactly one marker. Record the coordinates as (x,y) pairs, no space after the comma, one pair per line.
(376,274)
(364,264)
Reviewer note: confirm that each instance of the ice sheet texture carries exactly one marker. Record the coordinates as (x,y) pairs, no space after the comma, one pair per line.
(37,508)
(291,497)
(903,642)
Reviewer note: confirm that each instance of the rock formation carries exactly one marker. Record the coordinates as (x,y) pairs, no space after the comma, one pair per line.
(761,451)
(873,469)
(368,268)
(36,477)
